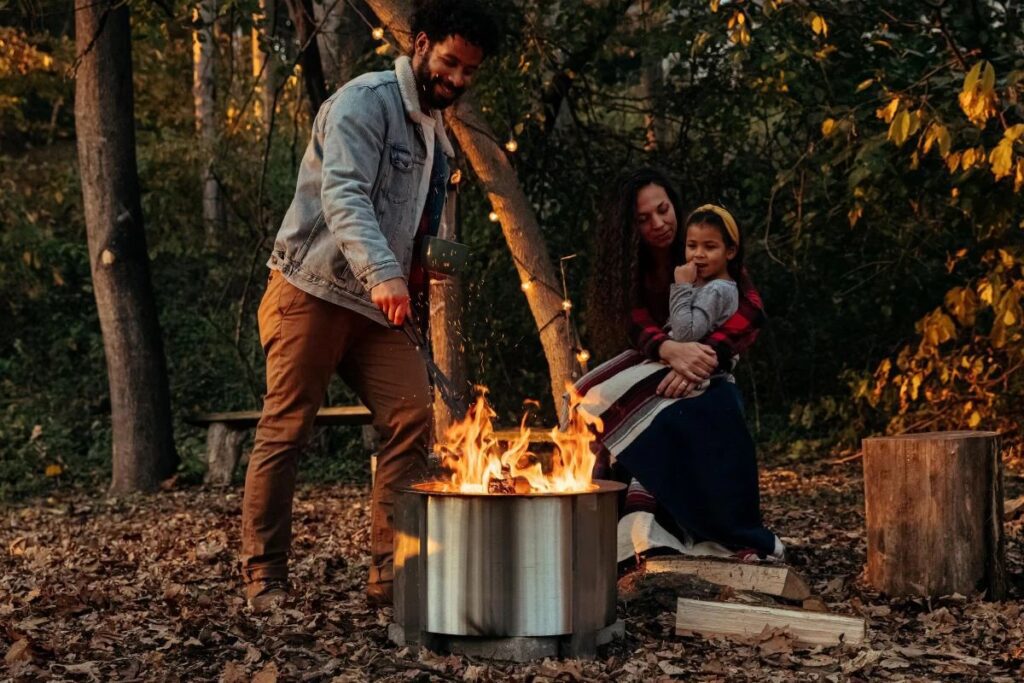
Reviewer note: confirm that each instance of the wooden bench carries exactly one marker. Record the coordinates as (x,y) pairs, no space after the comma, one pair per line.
(226,432)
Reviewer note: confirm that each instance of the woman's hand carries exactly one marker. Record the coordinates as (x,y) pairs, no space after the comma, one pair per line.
(674,385)
(692,360)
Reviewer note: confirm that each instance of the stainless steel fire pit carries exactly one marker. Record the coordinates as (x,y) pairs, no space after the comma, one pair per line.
(508,576)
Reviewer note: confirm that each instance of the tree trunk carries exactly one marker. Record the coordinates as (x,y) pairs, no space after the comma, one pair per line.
(329,14)
(204,55)
(143,443)
(518,221)
(934,514)
(263,71)
(446,341)
(301,12)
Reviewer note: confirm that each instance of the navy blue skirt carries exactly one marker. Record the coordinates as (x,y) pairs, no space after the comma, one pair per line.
(698,461)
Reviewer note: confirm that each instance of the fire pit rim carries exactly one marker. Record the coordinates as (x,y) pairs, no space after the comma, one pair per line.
(600,486)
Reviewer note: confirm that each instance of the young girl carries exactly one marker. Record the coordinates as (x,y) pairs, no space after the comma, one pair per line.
(705,293)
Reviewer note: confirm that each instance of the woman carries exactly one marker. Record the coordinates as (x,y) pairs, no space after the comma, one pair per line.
(681,438)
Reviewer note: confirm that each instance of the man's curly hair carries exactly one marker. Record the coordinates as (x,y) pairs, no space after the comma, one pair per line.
(469,19)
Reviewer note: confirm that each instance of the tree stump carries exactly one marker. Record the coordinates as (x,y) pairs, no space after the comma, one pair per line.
(934,514)
(223,451)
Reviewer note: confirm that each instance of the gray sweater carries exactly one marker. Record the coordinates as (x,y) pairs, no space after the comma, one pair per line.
(696,310)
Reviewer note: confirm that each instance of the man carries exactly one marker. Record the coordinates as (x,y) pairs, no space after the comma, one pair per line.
(372,182)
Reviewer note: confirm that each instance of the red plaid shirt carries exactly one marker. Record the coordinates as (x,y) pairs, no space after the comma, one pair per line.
(734,337)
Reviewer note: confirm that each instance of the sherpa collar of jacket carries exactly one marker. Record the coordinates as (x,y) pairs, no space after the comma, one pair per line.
(407,86)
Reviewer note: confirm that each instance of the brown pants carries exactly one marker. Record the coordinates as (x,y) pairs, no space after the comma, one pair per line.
(306,340)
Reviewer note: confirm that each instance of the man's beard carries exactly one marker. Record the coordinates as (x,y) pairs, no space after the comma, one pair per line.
(428,84)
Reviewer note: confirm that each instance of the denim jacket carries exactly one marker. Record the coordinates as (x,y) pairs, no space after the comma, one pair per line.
(373,161)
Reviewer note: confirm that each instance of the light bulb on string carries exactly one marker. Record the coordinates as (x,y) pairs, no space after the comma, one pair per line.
(378,33)
(566,305)
(512,145)
(456,177)
(582,356)
(526,286)
(493,216)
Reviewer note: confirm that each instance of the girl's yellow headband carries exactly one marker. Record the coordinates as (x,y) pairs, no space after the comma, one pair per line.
(730,222)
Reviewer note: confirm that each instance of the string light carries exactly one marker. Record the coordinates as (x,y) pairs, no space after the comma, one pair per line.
(378,33)
(566,305)
(493,216)
(527,285)
(456,177)
(512,145)
(582,356)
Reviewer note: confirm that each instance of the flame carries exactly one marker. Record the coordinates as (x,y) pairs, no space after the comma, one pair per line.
(477,463)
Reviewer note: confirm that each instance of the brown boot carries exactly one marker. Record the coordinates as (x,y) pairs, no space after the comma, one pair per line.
(379,594)
(267,595)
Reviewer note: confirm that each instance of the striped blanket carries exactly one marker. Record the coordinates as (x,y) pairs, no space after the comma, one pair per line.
(622,391)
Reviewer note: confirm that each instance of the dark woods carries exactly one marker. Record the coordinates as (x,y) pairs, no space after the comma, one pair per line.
(874,159)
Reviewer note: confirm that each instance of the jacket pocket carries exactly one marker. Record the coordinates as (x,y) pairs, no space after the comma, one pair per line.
(318,225)
(398,188)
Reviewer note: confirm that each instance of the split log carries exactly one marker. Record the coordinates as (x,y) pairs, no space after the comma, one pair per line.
(776,580)
(934,514)
(729,619)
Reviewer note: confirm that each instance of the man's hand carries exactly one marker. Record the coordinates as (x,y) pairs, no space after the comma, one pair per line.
(686,273)
(692,360)
(392,297)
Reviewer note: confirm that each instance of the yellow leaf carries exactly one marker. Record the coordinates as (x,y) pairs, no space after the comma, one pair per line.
(968,158)
(1001,159)
(978,96)
(855,214)
(888,111)
(972,77)
(915,122)
(953,161)
(824,52)
(819,25)
(54,470)
(1009,318)
(864,85)
(715,4)
(1018,176)
(974,420)
(944,141)
(900,128)
(1014,132)
(827,126)
(988,77)
(985,292)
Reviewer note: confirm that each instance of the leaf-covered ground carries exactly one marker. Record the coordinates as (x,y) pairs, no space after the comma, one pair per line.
(147,588)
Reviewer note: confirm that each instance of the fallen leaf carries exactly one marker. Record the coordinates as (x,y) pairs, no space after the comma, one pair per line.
(670,669)
(20,651)
(234,672)
(267,674)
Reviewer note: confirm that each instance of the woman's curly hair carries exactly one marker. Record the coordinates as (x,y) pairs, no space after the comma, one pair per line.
(614,287)
(469,19)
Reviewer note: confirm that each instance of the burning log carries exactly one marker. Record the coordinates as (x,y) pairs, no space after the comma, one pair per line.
(479,460)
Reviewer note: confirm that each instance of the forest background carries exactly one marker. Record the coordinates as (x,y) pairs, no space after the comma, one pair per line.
(872,152)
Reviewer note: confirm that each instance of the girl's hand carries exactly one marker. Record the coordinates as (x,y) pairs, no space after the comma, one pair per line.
(686,273)
(692,360)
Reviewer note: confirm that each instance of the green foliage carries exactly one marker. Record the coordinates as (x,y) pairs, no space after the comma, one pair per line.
(873,159)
